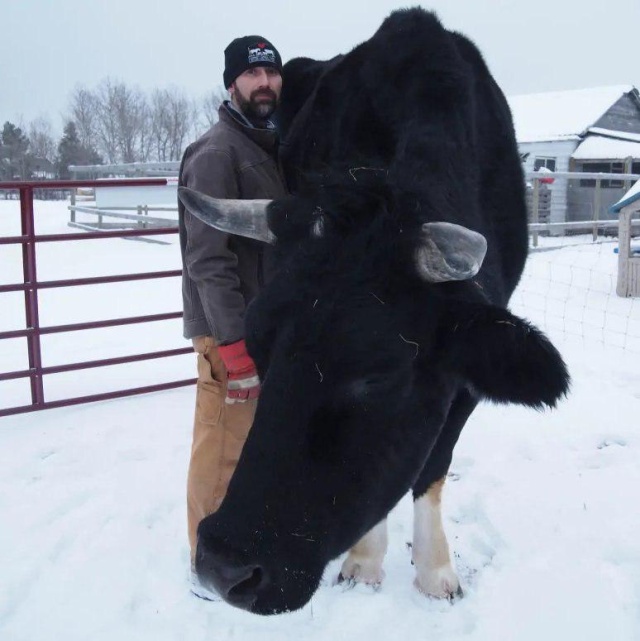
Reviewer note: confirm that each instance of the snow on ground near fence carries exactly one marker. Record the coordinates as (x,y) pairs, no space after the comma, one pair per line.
(541,508)
(87,259)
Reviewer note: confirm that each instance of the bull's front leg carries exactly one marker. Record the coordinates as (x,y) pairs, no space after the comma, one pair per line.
(364,561)
(434,573)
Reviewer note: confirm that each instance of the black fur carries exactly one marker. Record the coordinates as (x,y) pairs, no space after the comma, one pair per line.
(369,373)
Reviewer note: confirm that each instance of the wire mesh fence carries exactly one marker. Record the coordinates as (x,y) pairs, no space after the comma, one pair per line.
(569,289)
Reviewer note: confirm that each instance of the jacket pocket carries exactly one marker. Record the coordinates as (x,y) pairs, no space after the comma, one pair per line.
(212,381)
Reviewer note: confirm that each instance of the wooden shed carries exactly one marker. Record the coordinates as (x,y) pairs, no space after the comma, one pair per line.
(584,130)
(628,258)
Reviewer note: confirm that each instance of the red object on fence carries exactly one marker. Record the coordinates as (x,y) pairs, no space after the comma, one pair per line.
(30,286)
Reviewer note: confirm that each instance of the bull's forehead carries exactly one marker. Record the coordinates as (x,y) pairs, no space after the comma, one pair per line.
(352,333)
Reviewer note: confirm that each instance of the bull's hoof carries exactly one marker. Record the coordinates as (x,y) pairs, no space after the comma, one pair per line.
(439,584)
(366,573)
(350,582)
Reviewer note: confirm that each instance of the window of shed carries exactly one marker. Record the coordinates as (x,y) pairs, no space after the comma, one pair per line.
(547,163)
(603,168)
(616,168)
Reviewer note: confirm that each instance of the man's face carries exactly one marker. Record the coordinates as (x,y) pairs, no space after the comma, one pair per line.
(256,91)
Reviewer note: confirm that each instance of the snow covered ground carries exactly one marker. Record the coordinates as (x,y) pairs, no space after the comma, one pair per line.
(541,508)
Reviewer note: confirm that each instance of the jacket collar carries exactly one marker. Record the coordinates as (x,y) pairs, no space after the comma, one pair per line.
(265,138)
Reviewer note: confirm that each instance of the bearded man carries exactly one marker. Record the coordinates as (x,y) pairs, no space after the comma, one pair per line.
(236,158)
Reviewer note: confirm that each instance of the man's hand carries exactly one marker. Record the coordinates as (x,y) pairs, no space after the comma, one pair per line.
(243,383)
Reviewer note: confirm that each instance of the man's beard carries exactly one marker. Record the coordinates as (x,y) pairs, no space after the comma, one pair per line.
(260,104)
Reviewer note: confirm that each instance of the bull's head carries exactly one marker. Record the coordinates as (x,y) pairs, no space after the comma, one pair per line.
(446,252)
(375,321)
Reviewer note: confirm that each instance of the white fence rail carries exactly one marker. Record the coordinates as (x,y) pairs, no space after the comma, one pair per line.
(142,217)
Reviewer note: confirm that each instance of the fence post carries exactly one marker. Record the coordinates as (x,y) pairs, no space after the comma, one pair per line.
(72,207)
(139,212)
(535,207)
(596,208)
(32,316)
(628,169)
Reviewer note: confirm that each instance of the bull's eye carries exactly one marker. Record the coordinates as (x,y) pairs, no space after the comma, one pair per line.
(366,389)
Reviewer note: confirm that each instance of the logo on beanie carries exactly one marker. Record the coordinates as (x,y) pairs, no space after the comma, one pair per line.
(260,53)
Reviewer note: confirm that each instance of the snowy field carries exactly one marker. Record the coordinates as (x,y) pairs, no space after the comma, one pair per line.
(541,508)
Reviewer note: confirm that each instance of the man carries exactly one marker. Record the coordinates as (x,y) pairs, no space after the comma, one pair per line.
(236,158)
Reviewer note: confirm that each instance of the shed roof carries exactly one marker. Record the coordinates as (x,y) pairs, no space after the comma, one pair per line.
(561,115)
(599,148)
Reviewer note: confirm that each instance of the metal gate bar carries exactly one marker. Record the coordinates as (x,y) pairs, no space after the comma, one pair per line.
(31,286)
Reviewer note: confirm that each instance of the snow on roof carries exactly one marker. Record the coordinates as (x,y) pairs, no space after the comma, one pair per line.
(599,148)
(633,195)
(623,135)
(561,115)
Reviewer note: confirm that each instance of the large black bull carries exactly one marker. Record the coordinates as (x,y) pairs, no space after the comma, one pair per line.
(386,322)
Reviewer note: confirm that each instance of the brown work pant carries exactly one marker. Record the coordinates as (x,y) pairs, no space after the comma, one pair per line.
(219,432)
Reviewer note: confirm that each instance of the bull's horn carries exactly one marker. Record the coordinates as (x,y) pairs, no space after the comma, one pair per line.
(240,217)
(449,252)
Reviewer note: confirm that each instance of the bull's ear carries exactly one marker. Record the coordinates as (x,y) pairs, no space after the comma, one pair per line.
(505,358)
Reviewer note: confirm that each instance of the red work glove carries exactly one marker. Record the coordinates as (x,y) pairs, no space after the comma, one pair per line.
(243,383)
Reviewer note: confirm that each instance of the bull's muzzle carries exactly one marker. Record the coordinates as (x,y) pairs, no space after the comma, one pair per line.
(237,583)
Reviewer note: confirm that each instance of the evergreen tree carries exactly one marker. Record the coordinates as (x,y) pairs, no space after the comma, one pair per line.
(72,152)
(14,157)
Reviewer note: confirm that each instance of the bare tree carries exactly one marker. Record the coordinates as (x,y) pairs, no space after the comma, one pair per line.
(159,122)
(107,121)
(210,105)
(171,120)
(84,110)
(131,107)
(41,141)
(146,151)
(123,117)
(125,125)
(181,116)
(197,126)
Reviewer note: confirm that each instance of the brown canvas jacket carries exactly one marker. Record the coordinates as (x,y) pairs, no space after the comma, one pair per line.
(221,272)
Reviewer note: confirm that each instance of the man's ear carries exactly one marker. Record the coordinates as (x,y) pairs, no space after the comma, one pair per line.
(504,358)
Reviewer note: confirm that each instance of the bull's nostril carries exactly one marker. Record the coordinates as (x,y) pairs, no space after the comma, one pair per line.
(249,585)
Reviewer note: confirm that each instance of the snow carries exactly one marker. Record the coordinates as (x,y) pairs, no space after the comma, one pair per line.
(597,147)
(561,114)
(541,509)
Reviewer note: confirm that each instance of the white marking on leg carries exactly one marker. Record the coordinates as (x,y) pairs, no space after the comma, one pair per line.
(434,574)
(364,562)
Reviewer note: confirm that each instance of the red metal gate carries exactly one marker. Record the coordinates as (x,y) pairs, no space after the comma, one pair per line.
(31,286)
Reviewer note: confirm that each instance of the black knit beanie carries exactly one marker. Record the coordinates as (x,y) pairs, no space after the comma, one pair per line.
(248,51)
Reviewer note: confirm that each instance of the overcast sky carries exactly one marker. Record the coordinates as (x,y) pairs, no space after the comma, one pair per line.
(47,47)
